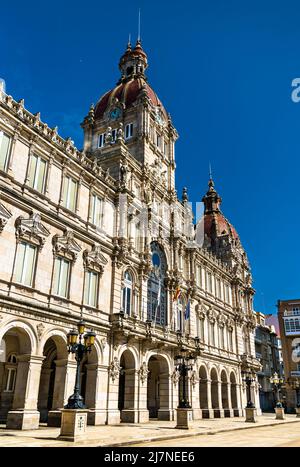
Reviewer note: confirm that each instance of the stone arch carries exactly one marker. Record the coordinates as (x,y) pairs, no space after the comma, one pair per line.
(159,386)
(25,331)
(233,392)
(214,390)
(58,335)
(203,388)
(224,390)
(53,372)
(127,385)
(19,340)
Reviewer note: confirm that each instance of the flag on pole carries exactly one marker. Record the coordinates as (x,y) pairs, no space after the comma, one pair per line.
(177,294)
(187,312)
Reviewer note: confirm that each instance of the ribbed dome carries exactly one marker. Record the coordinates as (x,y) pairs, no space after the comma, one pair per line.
(127,93)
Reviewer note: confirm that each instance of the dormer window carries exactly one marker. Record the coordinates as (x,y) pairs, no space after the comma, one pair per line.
(101,140)
(129,131)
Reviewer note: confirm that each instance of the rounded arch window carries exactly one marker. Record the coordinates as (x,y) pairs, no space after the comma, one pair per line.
(157,294)
(127,294)
(12,358)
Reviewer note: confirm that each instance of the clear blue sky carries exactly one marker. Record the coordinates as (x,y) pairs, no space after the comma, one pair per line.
(223,69)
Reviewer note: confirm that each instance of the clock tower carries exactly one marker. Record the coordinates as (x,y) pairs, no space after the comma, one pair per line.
(129,125)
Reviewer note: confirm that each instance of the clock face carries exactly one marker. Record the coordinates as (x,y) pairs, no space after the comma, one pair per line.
(159,117)
(115,113)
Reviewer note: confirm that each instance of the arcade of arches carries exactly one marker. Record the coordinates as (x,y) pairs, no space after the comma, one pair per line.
(38,386)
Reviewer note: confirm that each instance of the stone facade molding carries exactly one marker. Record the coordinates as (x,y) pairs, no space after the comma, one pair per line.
(66,245)
(94,259)
(31,230)
(5,215)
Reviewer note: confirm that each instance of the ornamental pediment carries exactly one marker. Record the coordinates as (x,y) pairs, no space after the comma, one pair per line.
(66,245)
(5,214)
(94,259)
(31,229)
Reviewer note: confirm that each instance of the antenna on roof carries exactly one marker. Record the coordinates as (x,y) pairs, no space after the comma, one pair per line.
(129,39)
(139,26)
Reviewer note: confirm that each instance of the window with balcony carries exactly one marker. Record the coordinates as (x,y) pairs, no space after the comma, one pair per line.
(292,325)
(129,131)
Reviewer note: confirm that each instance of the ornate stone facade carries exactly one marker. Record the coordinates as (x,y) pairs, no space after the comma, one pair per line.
(101,234)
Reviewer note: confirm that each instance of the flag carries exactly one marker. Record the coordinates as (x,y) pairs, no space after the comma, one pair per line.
(177,294)
(187,312)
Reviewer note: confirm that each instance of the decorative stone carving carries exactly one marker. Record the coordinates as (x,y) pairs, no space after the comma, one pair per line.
(175,377)
(66,245)
(5,214)
(221,320)
(194,378)
(230,324)
(211,315)
(143,372)
(94,259)
(31,230)
(114,369)
(40,330)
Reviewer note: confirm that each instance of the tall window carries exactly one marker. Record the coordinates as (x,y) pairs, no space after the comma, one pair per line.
(201,328)
(4,150)
(218,288)
(127,294)
(230,337)
(157,294)
(129,131)
(209,282)
(61,277)
(212,333)
(25,264)
(70,193)
(91,288)
(37,173)
(101,140)
(97,210)
(11,373)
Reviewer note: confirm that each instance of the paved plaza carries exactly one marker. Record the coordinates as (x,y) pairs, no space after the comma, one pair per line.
(227,432)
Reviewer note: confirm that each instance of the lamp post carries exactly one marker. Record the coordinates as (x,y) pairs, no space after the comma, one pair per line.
(277,382)
(79,348)
(74,414)
(248,380)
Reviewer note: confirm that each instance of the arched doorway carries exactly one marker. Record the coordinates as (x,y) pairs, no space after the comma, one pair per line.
(53,376)
(203,392)
(233,392)
(127,387)
(14,371)
(214,392)
(224,392)
(158,389)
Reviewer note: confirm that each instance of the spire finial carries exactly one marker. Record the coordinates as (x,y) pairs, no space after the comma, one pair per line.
(129,40)
(139,26)
(210,172)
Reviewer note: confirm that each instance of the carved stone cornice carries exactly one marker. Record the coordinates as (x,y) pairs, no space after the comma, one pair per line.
(66,245)
(31,230)
(94,259)
(5,215)
(114,369)
(120,252)
(143,372)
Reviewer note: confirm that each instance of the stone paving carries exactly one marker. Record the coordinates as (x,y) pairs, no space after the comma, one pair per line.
(133,434)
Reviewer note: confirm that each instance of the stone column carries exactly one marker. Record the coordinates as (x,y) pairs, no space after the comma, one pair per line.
(143,412)
(219,413)
(166,411)
(113,413)
(229,411)
(44,393)
(195,399)
(209,412)
(96,390)
(239,411)
(130,413)
(24,414)
(65,375)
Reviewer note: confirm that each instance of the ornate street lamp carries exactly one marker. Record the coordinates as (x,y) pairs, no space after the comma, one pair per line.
(248,380)
(184,363)
(277,382)
(79,348)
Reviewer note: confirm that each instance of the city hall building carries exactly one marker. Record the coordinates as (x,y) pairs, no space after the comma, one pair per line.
(100,234)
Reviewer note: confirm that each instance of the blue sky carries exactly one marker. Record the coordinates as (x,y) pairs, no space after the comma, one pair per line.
(223,70)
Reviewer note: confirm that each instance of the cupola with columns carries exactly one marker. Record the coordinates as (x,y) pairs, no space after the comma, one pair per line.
(130,120)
